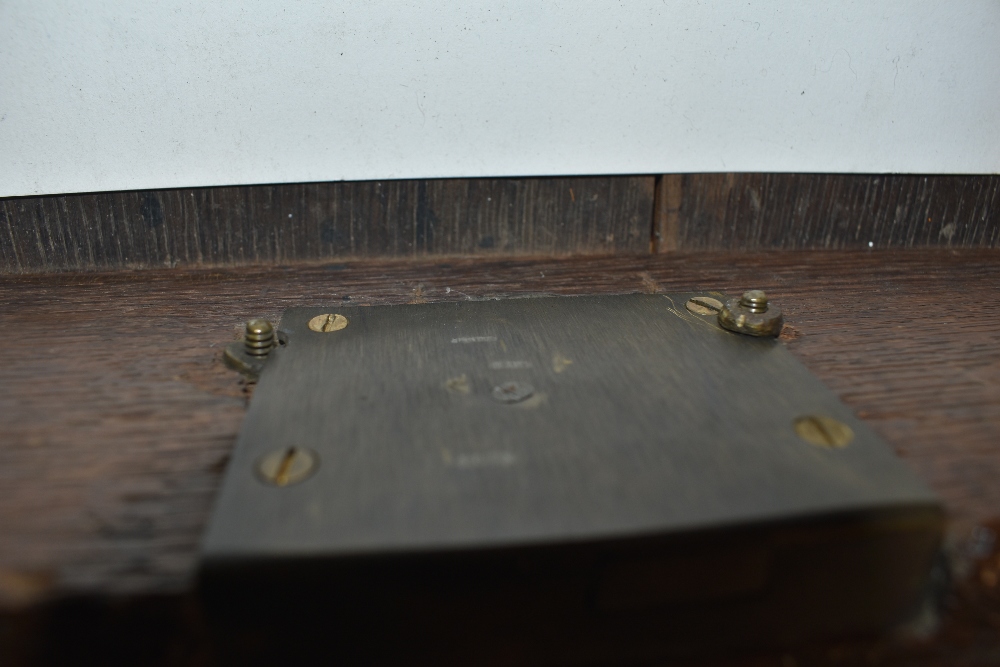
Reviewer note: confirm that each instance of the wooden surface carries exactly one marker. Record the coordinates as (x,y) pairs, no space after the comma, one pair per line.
(276,224)
(770,211)
(119,416)
(282,224)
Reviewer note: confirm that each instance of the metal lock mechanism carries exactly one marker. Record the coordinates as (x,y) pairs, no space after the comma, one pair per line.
(619,471)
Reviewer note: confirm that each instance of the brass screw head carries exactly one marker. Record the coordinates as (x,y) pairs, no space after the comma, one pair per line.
(258,339)
(328,322)
(823,431)
(287,466)
(703,305)
(751,315)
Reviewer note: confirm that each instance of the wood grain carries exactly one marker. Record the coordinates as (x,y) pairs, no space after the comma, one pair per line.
(119,416)
(771,211)
(283,224)
(276,224)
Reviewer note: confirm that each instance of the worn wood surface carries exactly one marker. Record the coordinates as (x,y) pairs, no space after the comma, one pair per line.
(282,224)
(118,415)
(770,211)
(276,224)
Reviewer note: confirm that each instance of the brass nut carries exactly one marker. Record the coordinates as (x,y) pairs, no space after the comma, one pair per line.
(328,322)
(751,315)
(823,431)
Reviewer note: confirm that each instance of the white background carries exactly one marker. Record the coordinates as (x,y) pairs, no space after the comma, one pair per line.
(117,95)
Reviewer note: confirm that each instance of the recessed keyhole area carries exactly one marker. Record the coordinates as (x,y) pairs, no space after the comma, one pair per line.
(512,392)
(823,431)
(284,467)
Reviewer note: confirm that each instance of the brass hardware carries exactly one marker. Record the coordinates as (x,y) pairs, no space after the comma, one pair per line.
(442,424)
(259,337)
(513,392)
(755,301)
(287,466)
(823,431)
(328,322)
(751,315)
(703,305)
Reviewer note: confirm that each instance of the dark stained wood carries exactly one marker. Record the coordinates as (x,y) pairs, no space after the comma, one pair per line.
(118,415)
(771,211)
(666,213)
(282,224)
(277,224)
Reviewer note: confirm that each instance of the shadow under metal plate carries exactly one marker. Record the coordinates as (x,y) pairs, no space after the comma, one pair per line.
(604,467)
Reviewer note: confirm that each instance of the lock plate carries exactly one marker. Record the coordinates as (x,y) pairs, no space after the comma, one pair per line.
(533,423)
(641,417)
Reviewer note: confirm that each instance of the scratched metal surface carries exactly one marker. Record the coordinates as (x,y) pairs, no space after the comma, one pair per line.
(645,419)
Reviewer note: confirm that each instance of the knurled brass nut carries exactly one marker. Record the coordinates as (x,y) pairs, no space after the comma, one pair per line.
(752,315)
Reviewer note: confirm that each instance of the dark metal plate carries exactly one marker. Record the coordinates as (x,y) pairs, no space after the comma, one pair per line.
(643,418)
(546,422)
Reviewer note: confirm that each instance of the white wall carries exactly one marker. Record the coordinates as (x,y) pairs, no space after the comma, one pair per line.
(110,95)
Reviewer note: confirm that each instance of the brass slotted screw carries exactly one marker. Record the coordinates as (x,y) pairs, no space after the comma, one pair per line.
(704,305)
(328,322)
(287,466)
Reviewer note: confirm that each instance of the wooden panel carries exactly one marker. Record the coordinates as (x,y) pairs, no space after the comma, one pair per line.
(770,211)
(119,416)
(281,224)
(276,224)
